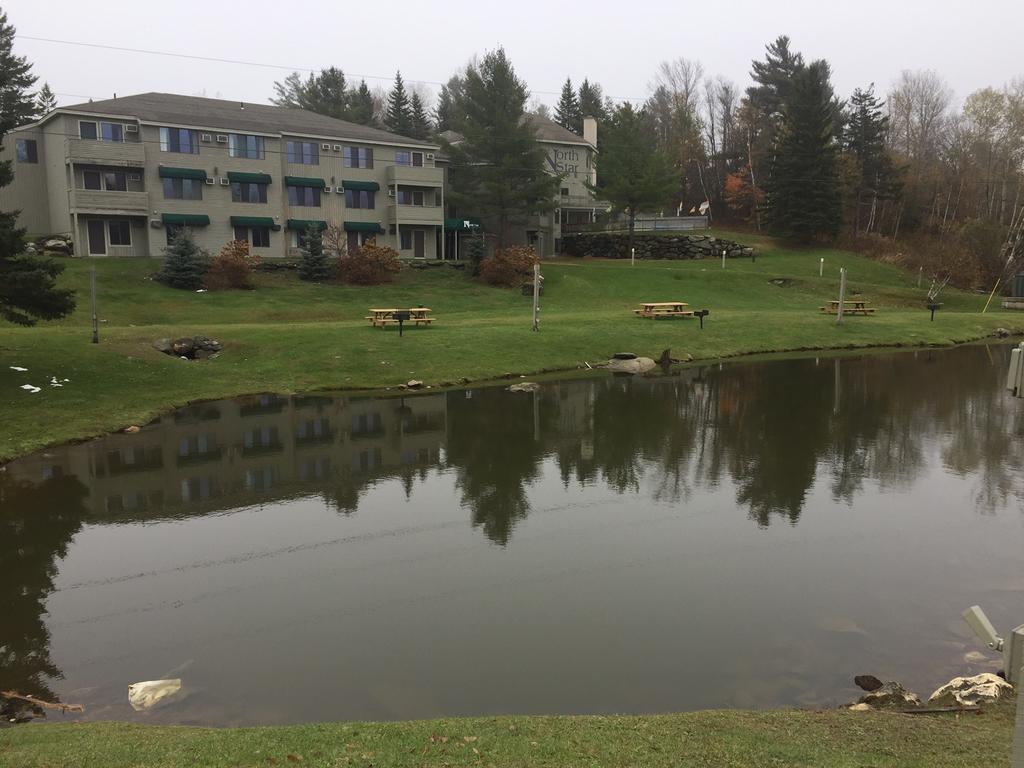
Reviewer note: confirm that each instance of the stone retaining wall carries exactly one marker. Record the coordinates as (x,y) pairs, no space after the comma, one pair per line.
(616,246)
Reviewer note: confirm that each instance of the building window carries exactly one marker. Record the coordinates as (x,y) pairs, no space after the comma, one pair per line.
(565,191)
(115,181)
(248,192)
(414,159)
(27,151)
(171,231)
(410,197)
(308,196)
(242,145)
(359,198)
(259,237)
(303,152)
(405,240)
(120,232)
(182,189)
(87,130)
(112,131)
(181,140)
(358,157)
(92,180)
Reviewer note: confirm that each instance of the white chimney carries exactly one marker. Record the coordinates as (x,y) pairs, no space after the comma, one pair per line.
(590,130)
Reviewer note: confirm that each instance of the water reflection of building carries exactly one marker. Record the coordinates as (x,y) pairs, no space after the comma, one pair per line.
(231,453)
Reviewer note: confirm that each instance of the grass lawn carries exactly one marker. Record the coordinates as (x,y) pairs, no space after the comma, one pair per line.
(288,336)
(713,738)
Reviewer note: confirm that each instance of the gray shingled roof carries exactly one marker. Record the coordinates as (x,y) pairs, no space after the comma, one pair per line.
(218,113)
(547,130)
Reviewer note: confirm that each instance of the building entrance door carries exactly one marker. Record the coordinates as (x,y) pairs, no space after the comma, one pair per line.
(419,244)
(97,237)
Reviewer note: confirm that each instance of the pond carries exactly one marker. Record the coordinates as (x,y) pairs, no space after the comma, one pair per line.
(742,535)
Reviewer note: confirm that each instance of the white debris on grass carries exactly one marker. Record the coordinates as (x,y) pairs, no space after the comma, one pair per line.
(31,388)
(18,368)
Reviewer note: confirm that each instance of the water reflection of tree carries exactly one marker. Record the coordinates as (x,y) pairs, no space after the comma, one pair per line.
(37,522)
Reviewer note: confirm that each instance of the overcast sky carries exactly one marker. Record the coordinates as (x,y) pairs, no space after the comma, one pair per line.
(972,44)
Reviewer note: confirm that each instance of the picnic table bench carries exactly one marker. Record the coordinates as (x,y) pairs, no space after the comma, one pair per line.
(656,309)
(850,307)
(382,318)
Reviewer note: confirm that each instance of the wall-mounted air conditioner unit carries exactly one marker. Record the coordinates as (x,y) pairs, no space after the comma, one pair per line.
(391,193)
(225,181)
(131,129)
(327,189)
(205,137)
(430,156)
(222,138)
(325,146)
(134,177)
(209,180)
(337,147)
(155,223)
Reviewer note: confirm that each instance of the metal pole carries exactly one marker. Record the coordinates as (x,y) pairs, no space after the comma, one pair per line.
(536,297)
(920,274)
(95,321)
(632,256)
(723,258)
(842,295)
(821,266)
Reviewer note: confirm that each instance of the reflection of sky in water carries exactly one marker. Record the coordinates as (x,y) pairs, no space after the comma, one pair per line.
(749,535)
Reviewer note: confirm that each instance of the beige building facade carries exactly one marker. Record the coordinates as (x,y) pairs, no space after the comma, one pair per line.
(122,175)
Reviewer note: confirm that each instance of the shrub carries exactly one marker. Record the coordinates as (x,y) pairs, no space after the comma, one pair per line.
(314,263)
(370,265)
(510,266)
(232,268)
(475,252)
(184,262)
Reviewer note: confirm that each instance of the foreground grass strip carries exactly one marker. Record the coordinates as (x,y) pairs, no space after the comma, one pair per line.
(288,336)
(716,738)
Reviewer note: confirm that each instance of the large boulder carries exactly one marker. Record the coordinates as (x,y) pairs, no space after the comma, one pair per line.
(525,386)
(985,688)
(889,695)
(183,347)
(57,245)
(636,365)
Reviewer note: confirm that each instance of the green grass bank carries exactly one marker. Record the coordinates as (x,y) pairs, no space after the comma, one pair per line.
(713,738)
(288,336)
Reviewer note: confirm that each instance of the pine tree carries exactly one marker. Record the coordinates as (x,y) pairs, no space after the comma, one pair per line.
(46,100)
(633,174)
(767,99)
(361,105)
(421,126)
(498,170)
(314,264)
(183,262)
(591,99)
(567,112)
(28,284)
(398,118)
(802,193)
(864,137)
(447,113)
(324,93)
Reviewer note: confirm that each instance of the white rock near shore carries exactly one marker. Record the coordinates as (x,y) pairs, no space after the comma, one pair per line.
(971,691)
(636,365)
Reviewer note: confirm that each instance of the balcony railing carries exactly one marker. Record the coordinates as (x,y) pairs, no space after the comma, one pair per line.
(103,201)
(416,214)
(120,153)
(415,175)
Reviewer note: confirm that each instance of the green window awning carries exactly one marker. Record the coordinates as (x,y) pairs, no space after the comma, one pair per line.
(368,186)
(304,181)
(303,224)
(467,224)
(253,221)
(182,173)
(190,219)
(363,226)
(250,178)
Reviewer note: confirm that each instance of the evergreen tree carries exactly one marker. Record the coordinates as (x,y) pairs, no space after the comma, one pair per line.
(421,126)
(314,263)
(498,171)
(28,284)
(633,174)
(183,262)
(591,99)
(46,100)
(864,137)
(447,113)
(773,78)
(567,112)
(324,93)
(802,193)
(398,118)
(361,107)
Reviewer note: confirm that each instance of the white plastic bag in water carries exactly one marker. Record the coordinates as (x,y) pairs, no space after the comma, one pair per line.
(153,693)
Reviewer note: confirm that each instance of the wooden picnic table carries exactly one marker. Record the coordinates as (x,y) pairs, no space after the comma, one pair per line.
(850,307)
(384,317)
(655,309)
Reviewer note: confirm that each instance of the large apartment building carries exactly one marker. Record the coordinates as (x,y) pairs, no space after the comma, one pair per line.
(123,174)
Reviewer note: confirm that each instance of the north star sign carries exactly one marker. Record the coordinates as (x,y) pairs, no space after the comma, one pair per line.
(564,161)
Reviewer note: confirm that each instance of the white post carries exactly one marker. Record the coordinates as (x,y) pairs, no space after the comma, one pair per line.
(723,258)
(821,266)
(842,294)
(920,274)
(536,297)
(95,322)
(632,256)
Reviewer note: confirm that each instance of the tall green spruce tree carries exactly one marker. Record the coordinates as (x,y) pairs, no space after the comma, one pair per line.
(361,105)
(324,93)
(498,170)
(398,118)
(184,262)
(28,289)
(803,199)
(864,136)
(421,126)
(314,264)
(591,99)
(46,100)
(567,111)
(633,174)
